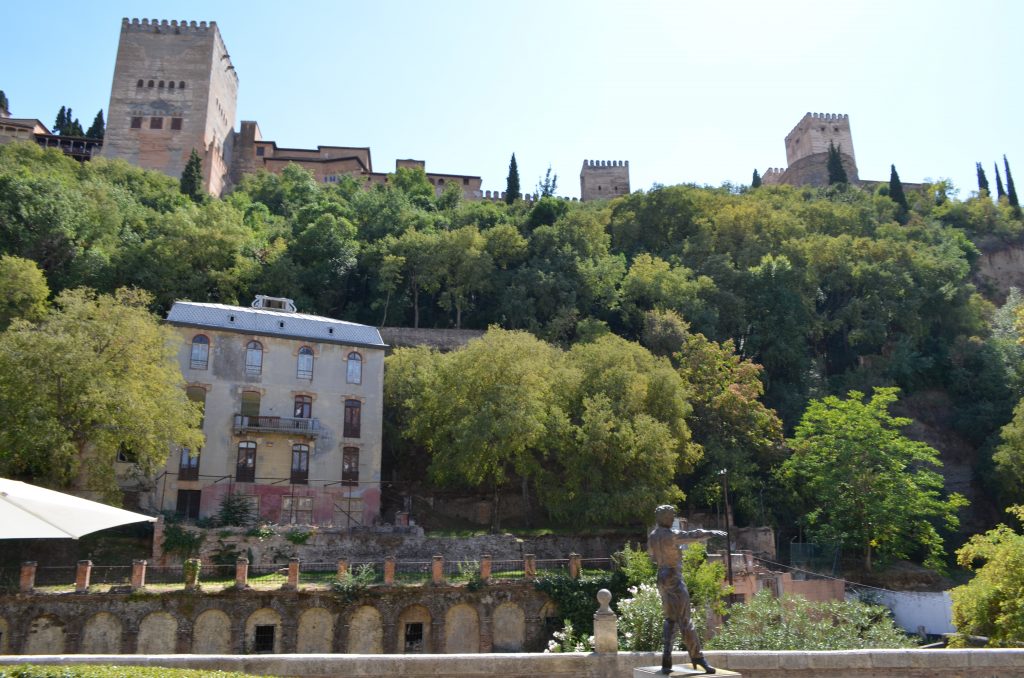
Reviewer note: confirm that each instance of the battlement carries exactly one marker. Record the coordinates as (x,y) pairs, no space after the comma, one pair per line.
(815,133)
(163,25)
(605,163)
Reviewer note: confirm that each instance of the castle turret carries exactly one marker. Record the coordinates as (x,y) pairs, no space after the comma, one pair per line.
(603,179)
(807,150)
(174,90)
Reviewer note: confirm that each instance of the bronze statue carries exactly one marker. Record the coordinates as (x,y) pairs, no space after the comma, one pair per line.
(663,544)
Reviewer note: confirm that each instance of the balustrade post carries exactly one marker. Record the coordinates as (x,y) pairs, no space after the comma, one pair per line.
(606,631)
(485,568)
(529,566)
(437,570)
(342,567)
(575,562)
(82,575)
(138,574)
(191,570)
(293,575)
(242,573)
(389,570)
(27,581)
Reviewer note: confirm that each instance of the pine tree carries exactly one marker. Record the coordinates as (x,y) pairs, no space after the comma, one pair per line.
(74,127)
(836,171)
(897,196)
(1011,192)
(755,182)
(1000,191)
(5,106)
(98,125)
(982,179)
(61,122)
(512,183)
(192,178)
(547,186)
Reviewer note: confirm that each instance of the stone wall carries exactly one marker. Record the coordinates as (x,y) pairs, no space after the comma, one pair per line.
(442,340)
(604,179)
(506,617)
(847,664)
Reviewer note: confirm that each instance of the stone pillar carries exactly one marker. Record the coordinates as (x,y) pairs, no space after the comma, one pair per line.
(575,562)
(293,576)
(389,570)
(191,569)
(529,566)
(242,573)
(342,567)
(485,568)
(82,575)
(158,541)
(138,574)
(437,570)
(27,582)
(606,634)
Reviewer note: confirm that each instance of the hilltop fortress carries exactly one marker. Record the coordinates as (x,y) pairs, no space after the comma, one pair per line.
(175,89)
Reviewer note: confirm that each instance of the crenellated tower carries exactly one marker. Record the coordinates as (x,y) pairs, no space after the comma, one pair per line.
(807,151)
(603,179)
(174,90)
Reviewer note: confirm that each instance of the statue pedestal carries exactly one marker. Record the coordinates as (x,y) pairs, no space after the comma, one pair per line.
(679,670)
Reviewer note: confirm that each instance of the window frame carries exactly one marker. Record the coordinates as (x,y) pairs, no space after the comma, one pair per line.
(156,122)
(350,466)
(354,359)
(253,368)
(300,471)
(188,466)
(353,419)
(305,355)
(245,463)
(303,406)
(203,362)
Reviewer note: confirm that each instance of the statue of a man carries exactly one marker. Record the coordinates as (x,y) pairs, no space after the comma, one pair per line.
(663,544)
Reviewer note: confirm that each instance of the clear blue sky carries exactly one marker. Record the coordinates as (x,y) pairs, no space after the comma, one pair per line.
(687,91)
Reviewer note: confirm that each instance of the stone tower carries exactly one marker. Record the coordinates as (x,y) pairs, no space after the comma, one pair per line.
(807,151)
(603,179)
(174,90)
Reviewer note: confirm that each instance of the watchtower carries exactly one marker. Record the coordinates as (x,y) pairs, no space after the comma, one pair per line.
(813,134)
(603,179)
(174,90)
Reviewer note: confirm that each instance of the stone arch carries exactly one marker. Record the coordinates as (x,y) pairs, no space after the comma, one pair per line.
(461,630)
(409,617)
(365,631)
(45,636)
(5,636)
(211,633)
(158,634)
(316,631)
(101,634)
(508,628)
(262,617)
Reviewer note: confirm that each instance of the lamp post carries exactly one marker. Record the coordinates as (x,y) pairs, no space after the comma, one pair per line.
(728,530)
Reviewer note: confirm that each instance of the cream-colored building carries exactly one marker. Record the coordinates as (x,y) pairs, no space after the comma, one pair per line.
(293,413)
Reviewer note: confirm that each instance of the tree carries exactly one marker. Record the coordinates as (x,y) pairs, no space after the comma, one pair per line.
(191,183)
(1011,191)
(755,182)
(897,196)
(66,124)
(982,179)
(5,105)
(547,187)
(836,171)
(23,290)
(512,183)
(1000,191)
(882,496)
(96,376)
(95,131)
(992,603)
(61,122)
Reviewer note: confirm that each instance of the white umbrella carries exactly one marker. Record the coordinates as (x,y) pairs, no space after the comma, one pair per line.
(30,512)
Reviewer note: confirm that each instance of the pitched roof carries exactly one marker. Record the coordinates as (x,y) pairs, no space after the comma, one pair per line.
(268,322)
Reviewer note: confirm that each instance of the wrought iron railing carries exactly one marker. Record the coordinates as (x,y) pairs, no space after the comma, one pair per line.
(244,423)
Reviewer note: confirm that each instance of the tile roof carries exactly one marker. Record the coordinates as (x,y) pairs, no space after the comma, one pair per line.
(273,323)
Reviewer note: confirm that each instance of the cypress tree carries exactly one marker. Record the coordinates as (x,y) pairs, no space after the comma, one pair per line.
(192,178)
(755,182)
(982,179)
(1000,191)
(98,125)
(62,121)
(5,106)
(74,128)
(512,183)
(897,196)
(836,171)
(1011,192)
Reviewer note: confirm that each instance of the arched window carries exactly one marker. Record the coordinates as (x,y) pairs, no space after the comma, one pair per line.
(300,464)
(170,85)
(161,85)
(353,418)
(150,84)
(181,85)
(303,407)
(246,469)
(354,373)
(304,365)
(139,83)
(254,359)
(200,359)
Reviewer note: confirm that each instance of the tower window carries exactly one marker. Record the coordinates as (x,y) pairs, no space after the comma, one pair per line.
(170,85)
(161,85)
(156,123)
(176,123)
(150,83)
(136,122)
(139,83)
(260,150)
(181,84)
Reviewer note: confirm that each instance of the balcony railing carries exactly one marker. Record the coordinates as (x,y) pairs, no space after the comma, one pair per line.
(262,424)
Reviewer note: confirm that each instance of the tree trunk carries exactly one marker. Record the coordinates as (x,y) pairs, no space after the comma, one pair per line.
(495,516)
(526,501)
(384,320)
(415,306)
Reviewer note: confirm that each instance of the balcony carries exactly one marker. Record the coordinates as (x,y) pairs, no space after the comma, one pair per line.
(291,425)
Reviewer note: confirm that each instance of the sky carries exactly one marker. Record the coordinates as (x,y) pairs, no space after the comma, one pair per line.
(689,91)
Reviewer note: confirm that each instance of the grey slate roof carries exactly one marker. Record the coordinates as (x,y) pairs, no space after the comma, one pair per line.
(273,323)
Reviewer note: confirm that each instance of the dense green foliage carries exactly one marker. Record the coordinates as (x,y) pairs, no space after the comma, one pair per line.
(992,604)
(794,623)
(97,128)
(882,496)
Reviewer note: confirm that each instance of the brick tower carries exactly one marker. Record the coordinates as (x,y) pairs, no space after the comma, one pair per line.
(807,151)
(603,179)
(174,90)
